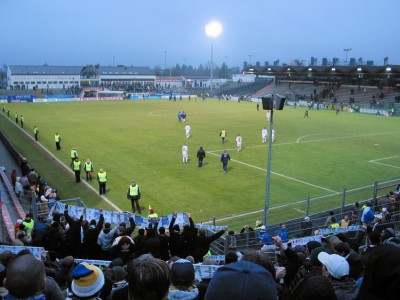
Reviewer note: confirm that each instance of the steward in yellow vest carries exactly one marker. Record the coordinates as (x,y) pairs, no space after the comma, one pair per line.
(57,139)
(77,166)
(134,195)
(102,180)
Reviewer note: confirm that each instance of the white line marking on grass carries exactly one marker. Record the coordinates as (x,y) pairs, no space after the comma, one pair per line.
(66,167)
(291,204)
(376,161)
(353,135)
(299,210)
(390,157)
(281,175)
(299,141)
(396,167)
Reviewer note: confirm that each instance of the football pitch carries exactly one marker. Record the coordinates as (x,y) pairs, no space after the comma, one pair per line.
(317,156)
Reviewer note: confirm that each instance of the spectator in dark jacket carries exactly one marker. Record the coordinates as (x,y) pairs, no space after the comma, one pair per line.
(125,249)
(73,235)
(152,244)
(39,230)
(202,243)
(188,234)
(139,242)
(336,269)
(164,244)
(382,274)
(352,257)
(90,236)
(306,226)
(181,244)
(54,240)
(175,236)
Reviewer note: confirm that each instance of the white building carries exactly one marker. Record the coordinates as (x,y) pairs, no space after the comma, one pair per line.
(62,77)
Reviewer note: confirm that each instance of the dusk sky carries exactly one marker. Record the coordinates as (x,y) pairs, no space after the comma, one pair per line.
(166,32)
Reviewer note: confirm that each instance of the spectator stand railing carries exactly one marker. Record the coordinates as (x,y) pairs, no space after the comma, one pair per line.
(248,240)
(11,208)
(43,209)
(293,211)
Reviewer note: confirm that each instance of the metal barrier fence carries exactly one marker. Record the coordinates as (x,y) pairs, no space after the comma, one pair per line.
(297,209)
(43,208)
(377,191)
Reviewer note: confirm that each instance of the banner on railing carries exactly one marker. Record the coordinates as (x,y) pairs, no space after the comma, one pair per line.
(36,251)
(103,263)
(340,229)
(114,217)
(304,240)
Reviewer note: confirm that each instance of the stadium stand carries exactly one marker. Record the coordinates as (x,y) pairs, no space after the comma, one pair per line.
(294,258)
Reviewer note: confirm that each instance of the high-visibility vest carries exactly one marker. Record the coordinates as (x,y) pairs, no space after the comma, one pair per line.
(35,131)
(57,137)
(223,133)
(88,166)
(133,190)
(77,165)
(102,176)
(153,215)
(29,227)
(74,153)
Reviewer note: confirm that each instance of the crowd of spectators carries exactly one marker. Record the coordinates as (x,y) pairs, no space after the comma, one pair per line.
(330,269)
(161,263)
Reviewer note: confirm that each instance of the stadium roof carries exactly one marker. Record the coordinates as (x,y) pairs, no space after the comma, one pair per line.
(124,70)
(76,70)
(44,70)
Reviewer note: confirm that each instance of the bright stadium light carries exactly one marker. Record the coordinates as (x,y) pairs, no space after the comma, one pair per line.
(213,30)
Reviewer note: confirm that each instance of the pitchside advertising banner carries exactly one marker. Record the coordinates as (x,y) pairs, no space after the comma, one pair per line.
(116,218)
(18,98)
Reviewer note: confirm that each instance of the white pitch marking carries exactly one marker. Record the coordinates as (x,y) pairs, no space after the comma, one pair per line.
(390,157)
(333,138)
(376,161)
(281,175)
(386,165)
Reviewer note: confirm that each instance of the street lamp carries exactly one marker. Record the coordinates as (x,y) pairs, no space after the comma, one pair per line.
(346,50)
(213,30)
(269,104)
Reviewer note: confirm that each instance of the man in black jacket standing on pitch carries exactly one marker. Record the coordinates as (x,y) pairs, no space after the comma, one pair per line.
(200,155)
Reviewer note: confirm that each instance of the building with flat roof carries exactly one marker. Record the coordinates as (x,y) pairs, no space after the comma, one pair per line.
(62,77)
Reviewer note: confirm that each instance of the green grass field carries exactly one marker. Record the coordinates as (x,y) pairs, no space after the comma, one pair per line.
(319,156)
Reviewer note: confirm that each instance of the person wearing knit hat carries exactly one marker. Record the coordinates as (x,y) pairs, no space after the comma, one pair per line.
(182,281)
(88,281)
